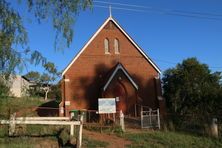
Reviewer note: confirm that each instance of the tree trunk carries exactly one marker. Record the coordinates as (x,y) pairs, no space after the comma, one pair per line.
(46,94)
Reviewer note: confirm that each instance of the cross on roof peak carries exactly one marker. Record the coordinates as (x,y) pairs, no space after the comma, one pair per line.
(110,11)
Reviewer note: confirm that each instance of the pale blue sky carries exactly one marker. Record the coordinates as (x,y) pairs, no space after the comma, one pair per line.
(166,39)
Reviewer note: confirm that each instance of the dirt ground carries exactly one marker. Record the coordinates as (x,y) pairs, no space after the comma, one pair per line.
(113,140)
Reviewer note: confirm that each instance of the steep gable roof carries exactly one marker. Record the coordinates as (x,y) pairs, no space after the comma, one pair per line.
(121,29)
(114,72)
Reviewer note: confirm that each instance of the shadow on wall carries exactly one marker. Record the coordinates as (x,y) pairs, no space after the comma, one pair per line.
(150,90)
(50,108)
(92,86)
(90,89)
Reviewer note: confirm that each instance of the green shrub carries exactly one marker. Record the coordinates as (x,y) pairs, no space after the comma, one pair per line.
(3,130)
(4,89)
(64,136)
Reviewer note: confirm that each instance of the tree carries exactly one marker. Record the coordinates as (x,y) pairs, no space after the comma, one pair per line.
(13,33)
(62,13)
(34,87)
(55,92)
(49,77)
(33,76)
(191,88)
(4,89)
(43,82)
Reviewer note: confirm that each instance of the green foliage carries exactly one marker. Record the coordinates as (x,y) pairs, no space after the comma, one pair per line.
(43,83)
(33,76)
(3,131)
(55,92)
(40,130)
(64,136)
(51,68)
(13,32)
(4,89)
(36,79)
(191,88)
(62,13)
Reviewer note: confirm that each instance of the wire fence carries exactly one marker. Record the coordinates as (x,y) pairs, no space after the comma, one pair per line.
(193,123)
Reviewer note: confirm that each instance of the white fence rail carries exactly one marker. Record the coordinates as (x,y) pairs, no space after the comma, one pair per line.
(44,118)
(150,119)
(46,121)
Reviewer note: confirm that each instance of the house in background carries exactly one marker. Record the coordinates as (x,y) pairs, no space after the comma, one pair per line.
(111,65)
(19,86)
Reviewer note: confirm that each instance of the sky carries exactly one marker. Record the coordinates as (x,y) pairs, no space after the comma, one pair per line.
(159,27)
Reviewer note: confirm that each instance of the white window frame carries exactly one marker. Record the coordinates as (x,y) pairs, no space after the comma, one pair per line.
(106,46)
(116,46)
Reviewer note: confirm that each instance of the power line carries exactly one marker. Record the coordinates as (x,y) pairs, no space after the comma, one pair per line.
(148,9)
(122,4)
(143,9)
(119,8)
(158,9)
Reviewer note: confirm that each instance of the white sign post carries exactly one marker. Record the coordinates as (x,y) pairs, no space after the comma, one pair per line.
(107,105)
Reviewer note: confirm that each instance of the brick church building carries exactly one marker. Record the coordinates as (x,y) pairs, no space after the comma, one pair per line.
(111,65)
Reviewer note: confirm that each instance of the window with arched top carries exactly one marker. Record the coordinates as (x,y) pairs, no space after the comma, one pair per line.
(106,46)
(116,46)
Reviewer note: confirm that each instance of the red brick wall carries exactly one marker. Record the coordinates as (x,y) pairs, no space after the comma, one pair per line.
(88,72)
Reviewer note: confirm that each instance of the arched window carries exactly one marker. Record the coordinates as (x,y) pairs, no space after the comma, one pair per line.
(116,46)
(106,46)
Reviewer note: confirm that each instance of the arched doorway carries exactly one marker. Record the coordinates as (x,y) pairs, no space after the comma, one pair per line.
(120,85)
(120,92)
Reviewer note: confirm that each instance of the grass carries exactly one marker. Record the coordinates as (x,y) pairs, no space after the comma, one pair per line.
(32,135)
(27,142)
(89,143)
(28,135)
(10,105)
(96,127)
(169,139)
(35,134)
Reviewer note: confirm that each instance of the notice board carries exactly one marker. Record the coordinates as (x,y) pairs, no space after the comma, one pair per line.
(107,105)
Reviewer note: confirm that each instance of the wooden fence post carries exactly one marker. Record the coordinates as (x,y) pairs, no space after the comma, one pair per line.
(158,117)
(12,124)
(141,118)
(71,129)
(214,128)
(122,121)
(135,110)
(79,143)
(150,117)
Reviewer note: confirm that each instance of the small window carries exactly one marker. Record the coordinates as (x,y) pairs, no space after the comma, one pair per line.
(116,46)
(106,46)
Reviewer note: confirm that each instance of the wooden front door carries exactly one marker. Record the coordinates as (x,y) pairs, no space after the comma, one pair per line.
(118,90)
(121,93)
